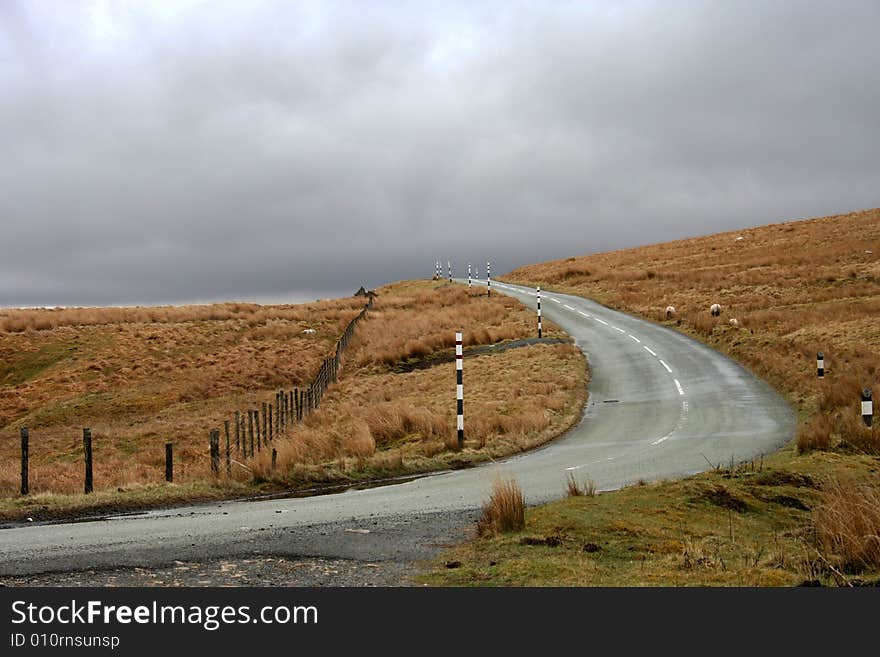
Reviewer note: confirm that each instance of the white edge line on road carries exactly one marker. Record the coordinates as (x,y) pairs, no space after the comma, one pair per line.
(583,313)
(663,363)
(678,385)
(649,350)
(617,328)
(554,299)
(565,305)
(602,321)
(634,338)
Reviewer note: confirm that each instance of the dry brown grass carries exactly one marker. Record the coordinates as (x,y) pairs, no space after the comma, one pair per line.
(412,322)
(815,434)
(848,523)
(139,385)
(46,319)
(379,421)
(505,511)
(795,288)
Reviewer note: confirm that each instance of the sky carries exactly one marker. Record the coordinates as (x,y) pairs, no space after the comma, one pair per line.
(163,152)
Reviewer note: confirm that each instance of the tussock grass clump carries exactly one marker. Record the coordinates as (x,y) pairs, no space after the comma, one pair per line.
(848,523)
(575,489)
(505,511)
(843,431)
(815,434)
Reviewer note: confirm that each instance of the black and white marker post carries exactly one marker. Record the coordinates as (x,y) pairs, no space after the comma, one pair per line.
(436,270)
(459,388)
(867,407)
(449,270)
(469,274)
(539,312)
(820,365)
(488,280)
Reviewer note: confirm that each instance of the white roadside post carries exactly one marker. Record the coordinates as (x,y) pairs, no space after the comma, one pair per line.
(469,274)
(449,270)
(867,407)
(820,365)
(459,388)
(539,312)
(488,280)
(436,270)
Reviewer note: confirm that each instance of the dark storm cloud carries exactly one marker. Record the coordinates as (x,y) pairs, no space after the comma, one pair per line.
(182,151)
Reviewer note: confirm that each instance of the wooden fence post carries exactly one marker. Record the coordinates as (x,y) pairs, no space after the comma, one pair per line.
(296,401)
(237,433)
(243,437)
(24,459)
(169,462)
(271,424)
(228,456)
(257,430)
(214,439)
(87,451)
(250,433)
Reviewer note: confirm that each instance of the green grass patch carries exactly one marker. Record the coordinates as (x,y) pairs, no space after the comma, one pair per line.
(746,526)
(20,367)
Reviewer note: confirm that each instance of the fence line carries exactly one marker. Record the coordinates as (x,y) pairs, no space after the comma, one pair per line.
(291,407)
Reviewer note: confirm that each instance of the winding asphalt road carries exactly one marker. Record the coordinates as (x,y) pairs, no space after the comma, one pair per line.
(662,405)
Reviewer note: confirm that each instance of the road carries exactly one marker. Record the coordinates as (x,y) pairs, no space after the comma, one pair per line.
(661,405)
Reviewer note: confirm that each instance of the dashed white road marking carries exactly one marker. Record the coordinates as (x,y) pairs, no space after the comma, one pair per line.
(681,419)
(584,465)
(678,386)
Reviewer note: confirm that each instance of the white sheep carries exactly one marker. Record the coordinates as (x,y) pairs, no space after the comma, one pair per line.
(670,312)
(734,322)
(715,310)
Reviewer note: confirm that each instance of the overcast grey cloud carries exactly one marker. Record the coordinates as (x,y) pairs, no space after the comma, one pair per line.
(161,152)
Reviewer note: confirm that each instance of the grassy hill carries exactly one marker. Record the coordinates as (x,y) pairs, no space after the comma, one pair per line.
(810,513)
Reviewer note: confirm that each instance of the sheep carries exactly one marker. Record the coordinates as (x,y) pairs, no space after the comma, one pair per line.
(733,322)
(715,310)
(670,312)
